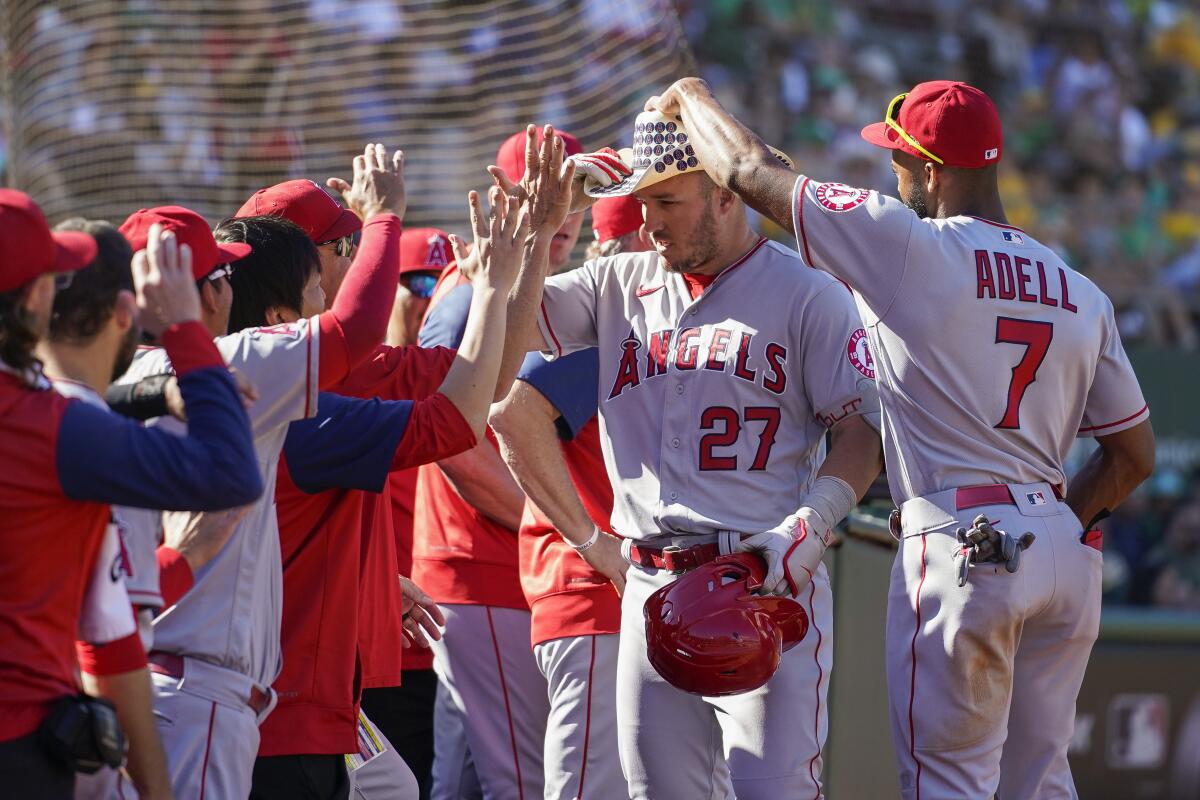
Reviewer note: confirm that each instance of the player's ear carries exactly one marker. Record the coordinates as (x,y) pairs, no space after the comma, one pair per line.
(209,301)
(125,310)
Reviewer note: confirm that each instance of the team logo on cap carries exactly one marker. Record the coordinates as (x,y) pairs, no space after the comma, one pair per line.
(436,257)
(859,353)
(840,197)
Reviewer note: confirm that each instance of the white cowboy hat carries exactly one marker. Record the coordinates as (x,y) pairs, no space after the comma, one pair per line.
(660,150)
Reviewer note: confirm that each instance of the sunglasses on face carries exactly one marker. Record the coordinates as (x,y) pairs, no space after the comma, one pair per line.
(891,119)
(346,245)
(420,284)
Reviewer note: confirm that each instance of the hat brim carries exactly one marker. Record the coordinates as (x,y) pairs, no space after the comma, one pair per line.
(229,252)
(880,135)
(650,175)
(411,268)
(74,250)
(345,225)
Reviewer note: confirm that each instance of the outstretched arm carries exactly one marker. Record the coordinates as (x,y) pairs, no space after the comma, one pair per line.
(548,195)
(732,155)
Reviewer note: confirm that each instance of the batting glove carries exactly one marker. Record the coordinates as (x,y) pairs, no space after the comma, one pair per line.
(792,550)
(601,169)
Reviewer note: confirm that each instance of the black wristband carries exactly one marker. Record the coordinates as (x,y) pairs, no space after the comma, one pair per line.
(143,400)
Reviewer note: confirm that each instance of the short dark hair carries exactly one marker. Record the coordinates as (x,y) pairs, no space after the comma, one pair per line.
(81,309)
(283,261)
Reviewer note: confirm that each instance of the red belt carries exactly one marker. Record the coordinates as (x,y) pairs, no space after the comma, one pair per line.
(672,558)
(171,665)
(996,494)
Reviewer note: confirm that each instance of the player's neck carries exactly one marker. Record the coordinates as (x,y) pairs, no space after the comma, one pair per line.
(985,205)
(84,364)
(729,255)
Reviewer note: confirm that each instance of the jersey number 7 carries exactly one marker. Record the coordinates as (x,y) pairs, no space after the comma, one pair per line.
(1036,336)
(731,428)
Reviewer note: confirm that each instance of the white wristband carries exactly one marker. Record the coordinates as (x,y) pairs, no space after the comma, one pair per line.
(595,537)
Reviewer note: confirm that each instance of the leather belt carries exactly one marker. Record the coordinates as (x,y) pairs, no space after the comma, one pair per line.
(996,494)
(172,665)
(673,558)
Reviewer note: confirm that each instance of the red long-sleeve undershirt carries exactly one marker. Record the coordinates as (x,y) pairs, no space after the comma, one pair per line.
(358,320)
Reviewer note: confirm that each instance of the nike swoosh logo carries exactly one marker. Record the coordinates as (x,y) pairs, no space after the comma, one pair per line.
(642,291)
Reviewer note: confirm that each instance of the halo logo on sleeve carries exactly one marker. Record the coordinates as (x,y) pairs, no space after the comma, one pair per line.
(840,197)
(859,353)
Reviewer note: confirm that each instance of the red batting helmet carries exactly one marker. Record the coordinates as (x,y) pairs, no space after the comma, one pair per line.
(708,634)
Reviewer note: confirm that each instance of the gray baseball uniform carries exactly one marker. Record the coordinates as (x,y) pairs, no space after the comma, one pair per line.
(992,356)
(226,628)
(713,413)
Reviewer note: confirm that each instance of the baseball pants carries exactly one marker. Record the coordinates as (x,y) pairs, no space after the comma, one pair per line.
(486,666)
(209,732)
(983,678)
(382,776)
(761,745)
(404,714)
(455,772)
(581,731)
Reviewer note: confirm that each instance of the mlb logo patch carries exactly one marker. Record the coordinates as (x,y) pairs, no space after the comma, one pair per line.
(1036,498)
(1012,236)
(993,153)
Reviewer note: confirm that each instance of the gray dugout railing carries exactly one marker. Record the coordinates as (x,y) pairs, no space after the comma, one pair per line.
(1137,722)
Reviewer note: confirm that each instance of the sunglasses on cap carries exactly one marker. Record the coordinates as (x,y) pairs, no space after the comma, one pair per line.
(346,245)
(220,271)
(891,120)
(420,284)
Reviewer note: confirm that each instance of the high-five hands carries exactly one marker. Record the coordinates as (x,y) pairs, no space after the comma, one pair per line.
(547,184)
(378,186)
(499,241)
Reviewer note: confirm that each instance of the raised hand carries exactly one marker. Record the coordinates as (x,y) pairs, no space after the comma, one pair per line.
(600,169)
(162,279)
(499,240)
(668,101)
(378,186)
(547,185)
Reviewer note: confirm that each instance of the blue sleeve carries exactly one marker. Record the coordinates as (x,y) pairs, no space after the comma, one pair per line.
(447,321)
(349,444)
(104,458)
(570,383)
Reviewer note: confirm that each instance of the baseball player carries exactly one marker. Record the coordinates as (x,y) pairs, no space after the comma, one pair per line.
(222,636)
(468,510)
(92,337)
(353,446)
(404,713)
(55,493)
(723,362)
(575,612)
(992,357)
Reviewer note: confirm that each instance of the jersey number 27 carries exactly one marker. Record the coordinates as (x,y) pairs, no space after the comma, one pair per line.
(1036,336)
(726,426)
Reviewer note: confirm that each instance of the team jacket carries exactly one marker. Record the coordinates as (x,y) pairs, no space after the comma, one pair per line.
(402,490)
(459,555)
(566,596)
(341,617)
(64,463)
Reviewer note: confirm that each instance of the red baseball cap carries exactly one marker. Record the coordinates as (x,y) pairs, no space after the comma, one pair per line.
(190,229)
(306,204)
(613,217)
(29,249)
(511,157)
(950,120)
(425,250)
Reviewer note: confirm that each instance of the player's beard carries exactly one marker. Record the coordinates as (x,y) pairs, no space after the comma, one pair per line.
(704,247)
(915,199)
(126,352)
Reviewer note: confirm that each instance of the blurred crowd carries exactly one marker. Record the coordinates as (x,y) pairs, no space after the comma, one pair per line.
(1100,101)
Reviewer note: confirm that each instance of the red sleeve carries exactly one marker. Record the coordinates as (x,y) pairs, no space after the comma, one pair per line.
(358,321)
(435,430)
(112,658)
(399,373)
(174,575)
(190,347)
